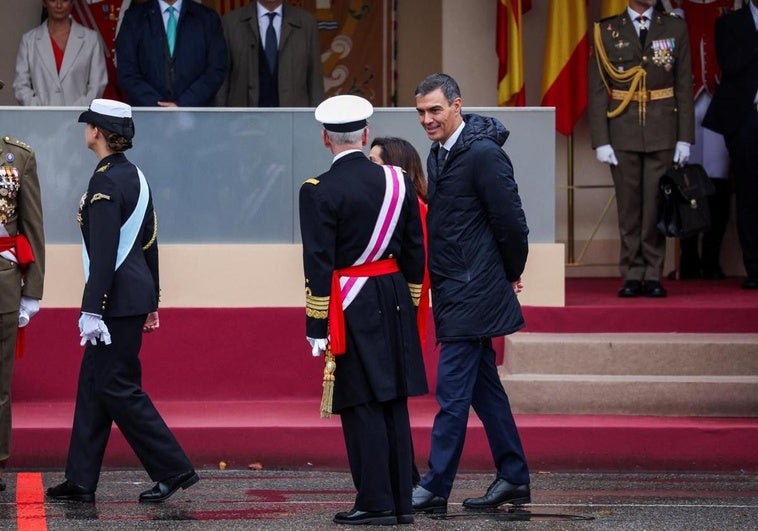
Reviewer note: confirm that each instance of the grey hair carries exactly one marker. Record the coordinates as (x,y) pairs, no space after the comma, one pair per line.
(441,81)
(341,139)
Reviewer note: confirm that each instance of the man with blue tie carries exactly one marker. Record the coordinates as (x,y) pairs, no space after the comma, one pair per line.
(171,53)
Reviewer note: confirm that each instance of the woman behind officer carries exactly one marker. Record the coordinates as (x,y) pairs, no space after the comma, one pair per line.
(119,303)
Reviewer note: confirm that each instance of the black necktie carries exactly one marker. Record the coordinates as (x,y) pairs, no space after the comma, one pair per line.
(441,156)
(271,46)
(643,30)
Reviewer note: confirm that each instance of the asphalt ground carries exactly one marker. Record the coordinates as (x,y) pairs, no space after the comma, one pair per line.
(308,499)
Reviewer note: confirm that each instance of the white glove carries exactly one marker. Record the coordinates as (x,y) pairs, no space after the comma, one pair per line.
(606,155)
(92,328)
(317,345)
(26,310)
(682,153)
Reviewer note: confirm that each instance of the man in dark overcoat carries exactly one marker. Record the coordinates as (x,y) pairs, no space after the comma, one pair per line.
(477,251)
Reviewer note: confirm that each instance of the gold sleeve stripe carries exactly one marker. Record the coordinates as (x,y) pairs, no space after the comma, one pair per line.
(316,307)
(415,290)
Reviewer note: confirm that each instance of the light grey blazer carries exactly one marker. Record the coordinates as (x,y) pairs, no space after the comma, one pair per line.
(83,75)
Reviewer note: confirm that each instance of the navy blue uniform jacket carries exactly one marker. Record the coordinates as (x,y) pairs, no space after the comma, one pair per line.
(338,212)
(111,197)
(477,235)
(146,72)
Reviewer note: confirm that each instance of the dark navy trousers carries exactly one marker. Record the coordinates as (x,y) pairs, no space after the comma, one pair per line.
(467,376)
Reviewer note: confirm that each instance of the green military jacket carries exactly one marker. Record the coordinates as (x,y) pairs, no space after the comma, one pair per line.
(20,213)
(665,59)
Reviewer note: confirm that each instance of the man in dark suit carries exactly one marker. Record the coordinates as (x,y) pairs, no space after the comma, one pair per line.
(171,53)
(734,113)
(642,118)
(287,75)
(120,302)
(478,244)
(22,266)
(363,256)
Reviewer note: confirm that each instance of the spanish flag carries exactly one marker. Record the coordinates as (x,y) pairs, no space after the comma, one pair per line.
(564,77)
(509,47)
(613,7)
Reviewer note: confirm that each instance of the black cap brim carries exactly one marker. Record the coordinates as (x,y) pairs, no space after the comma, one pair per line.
(121,126)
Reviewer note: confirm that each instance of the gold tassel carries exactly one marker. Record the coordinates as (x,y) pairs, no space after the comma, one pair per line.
(326,397)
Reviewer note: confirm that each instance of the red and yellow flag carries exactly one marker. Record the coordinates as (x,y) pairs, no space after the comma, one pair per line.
(612,7)
(564,77)
(509,47)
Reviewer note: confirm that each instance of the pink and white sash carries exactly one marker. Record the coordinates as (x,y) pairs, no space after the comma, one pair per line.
(394,194)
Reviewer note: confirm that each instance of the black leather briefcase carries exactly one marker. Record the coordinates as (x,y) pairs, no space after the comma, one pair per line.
(683,201)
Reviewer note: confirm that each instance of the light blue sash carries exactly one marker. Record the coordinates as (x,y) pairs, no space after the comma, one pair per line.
(129,230)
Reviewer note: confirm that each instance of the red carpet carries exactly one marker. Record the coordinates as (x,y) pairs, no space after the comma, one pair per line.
(696,306)
(239,385)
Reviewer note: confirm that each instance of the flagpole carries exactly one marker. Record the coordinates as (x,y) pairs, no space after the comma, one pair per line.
(570,196)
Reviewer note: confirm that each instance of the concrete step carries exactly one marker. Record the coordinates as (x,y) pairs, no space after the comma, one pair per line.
(711,375)
(632,353)
(587,394)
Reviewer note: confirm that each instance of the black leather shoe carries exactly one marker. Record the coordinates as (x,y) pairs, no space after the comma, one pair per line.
(631,288)
(653,288)
(2,485)
(357,517)
(750,283)
(164,489)
(425,501)
(498,493)
(70,491)
(405,519)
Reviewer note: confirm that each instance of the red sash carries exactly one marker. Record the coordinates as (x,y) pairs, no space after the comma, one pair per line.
(337,341)
(24,256)
(24,253)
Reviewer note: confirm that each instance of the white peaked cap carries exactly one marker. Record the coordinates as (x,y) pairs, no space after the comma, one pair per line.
(344,113)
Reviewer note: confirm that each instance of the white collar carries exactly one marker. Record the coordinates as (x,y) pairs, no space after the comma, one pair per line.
(343,153)
(452,139)
(262,11)
(648,13)
(177,5)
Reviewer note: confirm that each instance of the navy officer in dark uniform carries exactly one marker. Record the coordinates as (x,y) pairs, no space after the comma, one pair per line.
(119,226)
(363,253)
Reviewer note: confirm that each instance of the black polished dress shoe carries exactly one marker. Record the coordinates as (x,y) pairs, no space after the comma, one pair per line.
(164,489)
(498,493)
(357,517)
(2,485)
(70,491)
(750,283)
(405,519)
(653,288)
(425,501)
(631,288)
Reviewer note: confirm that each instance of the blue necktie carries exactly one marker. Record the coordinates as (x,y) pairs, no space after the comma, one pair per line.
(271,46)
(171,30)
(441,156)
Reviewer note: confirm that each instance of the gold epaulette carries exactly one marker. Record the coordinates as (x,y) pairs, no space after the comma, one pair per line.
(415,293)
(316,307)
(17,142)
(312,181)
(103,168)
(98,196)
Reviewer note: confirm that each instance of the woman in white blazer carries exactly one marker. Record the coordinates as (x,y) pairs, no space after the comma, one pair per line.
(82,75)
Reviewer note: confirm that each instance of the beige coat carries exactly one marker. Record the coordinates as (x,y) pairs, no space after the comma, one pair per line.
(82,77)
(301,77)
